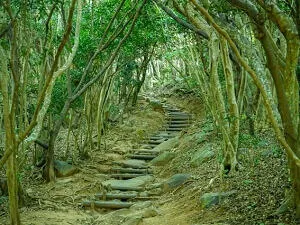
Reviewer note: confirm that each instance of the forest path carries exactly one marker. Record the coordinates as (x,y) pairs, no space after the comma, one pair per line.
(126,157)
(169,193)
(136,182)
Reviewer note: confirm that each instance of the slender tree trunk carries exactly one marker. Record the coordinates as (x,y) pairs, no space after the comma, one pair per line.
(138,87)
(68,135)
(10,138)
(233,108)
(49,173)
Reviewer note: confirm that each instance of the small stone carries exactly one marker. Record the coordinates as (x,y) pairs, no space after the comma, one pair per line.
(175,181)
(141,205)
(156,191)
(201,156)
(167,145)
(150,212)
(63,169)
(155,185)
(210,199)
(144,194)
(163,159)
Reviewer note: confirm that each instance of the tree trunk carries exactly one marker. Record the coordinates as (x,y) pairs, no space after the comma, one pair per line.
(295,174)
(49,173)
(10,140)
(138,88)
(12,183)
(233,111)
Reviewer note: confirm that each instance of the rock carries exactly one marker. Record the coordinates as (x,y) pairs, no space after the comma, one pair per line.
(130,184)
(141,205)
(156,191)
(163,159)
(175,181)
(63,169)
(133,163)
(133,220)
(150,212)
(201,156)
(132,216)
(210,199)
(154,185)
(144,194)
(167,145)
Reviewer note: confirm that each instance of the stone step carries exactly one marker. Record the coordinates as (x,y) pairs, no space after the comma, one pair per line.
(174,118)
(152,152)
(121,196)
(158,137)
(139,156)
(178,114)
(130,170)
(172,109)
(122,188)
(156,142)
(125,175)
(132,163)
(107,204)
(184,125)
(181,121)
(171,132)
(149,146)
(134,184)
(174,129)
(178,122)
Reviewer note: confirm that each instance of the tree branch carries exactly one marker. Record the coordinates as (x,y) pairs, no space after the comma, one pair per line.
(256,81)
(180,21)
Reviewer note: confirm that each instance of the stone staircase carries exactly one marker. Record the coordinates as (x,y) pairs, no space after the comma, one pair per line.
(132,175)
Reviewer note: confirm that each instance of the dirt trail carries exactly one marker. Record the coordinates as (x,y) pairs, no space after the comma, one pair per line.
(59,202)
(157,198)
(135,178)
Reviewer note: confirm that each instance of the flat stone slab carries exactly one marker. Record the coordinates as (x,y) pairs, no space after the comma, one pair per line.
(133,163)
(163,158)
(107,204)
(208,200)
(201,156)
(175,181)
(131,184)
(167,145)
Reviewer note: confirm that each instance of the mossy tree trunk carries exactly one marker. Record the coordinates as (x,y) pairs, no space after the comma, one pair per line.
(10,140)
